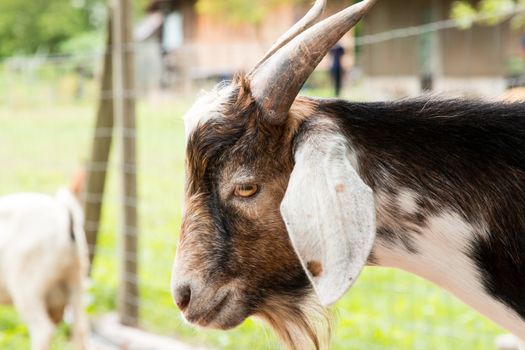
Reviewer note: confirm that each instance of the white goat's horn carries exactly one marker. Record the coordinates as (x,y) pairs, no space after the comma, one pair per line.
(306,22)
(276,82)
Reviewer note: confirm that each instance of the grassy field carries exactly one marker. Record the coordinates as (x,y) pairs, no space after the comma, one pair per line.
(41,146)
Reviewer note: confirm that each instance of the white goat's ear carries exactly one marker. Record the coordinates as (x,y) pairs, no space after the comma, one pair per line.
(330,215)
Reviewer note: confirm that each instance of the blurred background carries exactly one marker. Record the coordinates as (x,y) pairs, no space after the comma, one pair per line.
(59,82)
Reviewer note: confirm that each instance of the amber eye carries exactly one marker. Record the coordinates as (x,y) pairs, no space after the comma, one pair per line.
(246,190)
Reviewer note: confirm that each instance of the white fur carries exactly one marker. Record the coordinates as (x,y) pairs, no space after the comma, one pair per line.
(37,255)
(329,214)
(209,105)
(407,201)
(509,342)
(441,258)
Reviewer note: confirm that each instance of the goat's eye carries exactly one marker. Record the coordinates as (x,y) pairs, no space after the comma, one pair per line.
(246,190)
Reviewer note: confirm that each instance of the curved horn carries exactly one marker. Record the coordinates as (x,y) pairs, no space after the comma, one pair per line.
(276,82)
(306,22)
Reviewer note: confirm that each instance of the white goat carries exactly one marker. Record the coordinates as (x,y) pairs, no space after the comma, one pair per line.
(43,262)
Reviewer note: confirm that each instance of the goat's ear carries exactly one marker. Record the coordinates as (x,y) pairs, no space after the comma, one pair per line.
(329,214)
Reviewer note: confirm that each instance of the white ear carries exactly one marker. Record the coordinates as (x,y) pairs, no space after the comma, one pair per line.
(330,215)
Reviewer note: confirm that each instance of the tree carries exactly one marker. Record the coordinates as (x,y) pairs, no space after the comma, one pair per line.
(29,26)
(491,12)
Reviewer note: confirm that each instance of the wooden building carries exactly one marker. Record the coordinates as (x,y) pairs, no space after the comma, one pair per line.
(194,46)
(451,60)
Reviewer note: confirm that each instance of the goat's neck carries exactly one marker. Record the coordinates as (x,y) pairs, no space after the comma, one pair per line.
(434,249)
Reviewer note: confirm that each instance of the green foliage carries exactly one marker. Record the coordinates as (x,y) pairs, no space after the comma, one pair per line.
(492,12)
(515,66)
(464,13)
(29,26)
(84,43)
(241,11)
(497,9)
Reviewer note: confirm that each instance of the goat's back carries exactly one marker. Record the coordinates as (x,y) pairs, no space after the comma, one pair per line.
(28,218)
(466,157)
(35,241)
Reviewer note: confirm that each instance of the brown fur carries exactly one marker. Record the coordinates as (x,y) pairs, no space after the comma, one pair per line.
(315,268)
(78,182)
(229,241)
(300,326)
(56,301)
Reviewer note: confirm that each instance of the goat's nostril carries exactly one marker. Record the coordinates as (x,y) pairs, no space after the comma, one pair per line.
(183,297)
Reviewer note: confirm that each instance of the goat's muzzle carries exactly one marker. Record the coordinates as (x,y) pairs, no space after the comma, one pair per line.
(206,306)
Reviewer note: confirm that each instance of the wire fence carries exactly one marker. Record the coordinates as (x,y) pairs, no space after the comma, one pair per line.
(46,122)
(436,26)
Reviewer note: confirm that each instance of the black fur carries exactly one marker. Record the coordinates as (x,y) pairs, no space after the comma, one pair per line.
(71,226)
(465,156)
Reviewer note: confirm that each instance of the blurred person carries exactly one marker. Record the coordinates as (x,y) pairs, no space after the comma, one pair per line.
(522,47)
(336,69)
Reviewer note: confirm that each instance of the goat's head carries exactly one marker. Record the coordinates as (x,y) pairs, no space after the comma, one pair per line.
(251,163)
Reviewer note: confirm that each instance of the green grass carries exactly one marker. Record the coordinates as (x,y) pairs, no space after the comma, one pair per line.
(41,146)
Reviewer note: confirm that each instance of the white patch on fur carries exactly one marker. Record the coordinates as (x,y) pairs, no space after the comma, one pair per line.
(441,258)
(208,106)
(407,201)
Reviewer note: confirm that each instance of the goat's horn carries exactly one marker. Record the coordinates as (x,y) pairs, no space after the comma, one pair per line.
(276,82)
(306,22)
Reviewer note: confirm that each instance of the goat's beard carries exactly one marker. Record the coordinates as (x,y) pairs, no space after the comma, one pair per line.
(300,324)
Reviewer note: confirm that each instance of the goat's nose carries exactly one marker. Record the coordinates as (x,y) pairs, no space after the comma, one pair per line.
(182,296)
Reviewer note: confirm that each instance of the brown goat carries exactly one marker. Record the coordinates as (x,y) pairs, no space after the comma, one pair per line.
(282,194)
(235,251)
